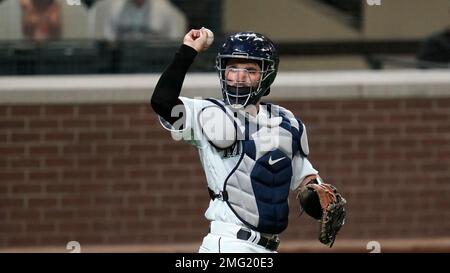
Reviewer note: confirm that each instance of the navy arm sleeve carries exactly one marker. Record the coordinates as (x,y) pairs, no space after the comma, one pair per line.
(168,89)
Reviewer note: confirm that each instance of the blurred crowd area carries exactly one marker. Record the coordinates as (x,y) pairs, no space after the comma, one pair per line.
(140,36)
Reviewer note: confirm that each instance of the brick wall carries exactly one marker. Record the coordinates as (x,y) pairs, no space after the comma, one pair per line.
(109,174)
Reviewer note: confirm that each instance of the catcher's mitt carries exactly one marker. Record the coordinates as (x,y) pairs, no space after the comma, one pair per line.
(331,213)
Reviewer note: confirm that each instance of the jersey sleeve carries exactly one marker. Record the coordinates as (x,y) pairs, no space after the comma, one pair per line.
(190,129)
(301,168)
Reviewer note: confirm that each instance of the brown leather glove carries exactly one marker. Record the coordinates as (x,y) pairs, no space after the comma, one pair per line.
(333,212)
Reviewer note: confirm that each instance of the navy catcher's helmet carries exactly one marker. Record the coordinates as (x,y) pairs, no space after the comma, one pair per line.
(251,46)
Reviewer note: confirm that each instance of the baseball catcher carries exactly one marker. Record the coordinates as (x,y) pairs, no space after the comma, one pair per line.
(254,153)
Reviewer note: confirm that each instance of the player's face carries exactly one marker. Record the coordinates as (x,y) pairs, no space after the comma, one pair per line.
(242,73)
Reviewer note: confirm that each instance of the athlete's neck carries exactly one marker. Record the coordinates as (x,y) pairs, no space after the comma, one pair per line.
(252,109)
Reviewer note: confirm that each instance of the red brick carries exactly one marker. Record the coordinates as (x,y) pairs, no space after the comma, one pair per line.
(126,135)
(144,148)
(126,187)
(11,175)
(59,110)
(443,154)
(97,161)
(42,202)
(77,227)
(60,188)
(93,187)
(435,167)
(43,175)
(322,105)
(76,123)
(443,103)
(25,163)
(353,105)
(110,149)
(343,118)
(93,213)
(63,214)
(69,149)
(3,163)
(160,134)
(109,201)
(139,173)
(354,156)
(386,104)
(94,239)
(92,136)
(4,111)
(22,240)
(40,227)
(101,227)
(404,117)
(59,136)
(92,110)
(14,202)
(43,124)
(76,202)
(121,213)
(122,239)
(9,150)
(29,214)
(436,141)
(76,174)
(63,161)
(324,131)
(308,119)
(109,174)
(12,124)
(44,150)
(173,199)
(26,110)
(55,240)
(418,104)
(109,123)
(443,129)
(419,129)
(3,137)
(25,137)
(127,109)
(140,225)
(386,130)
(186,236)
(22,189)
(435,116)
(156,212)
(138,200)
(126,161)
(141,122)
(372,118)
(387,155)
(369,168)
(400,167)
(403,142)
(10,227)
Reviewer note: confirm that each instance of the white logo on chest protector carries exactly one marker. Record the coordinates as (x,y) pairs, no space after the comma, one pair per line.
(271,162)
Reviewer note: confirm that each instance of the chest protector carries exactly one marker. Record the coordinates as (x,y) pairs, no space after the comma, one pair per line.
(257,188)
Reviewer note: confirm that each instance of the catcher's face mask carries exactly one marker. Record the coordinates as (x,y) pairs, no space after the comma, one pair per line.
(240,82)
